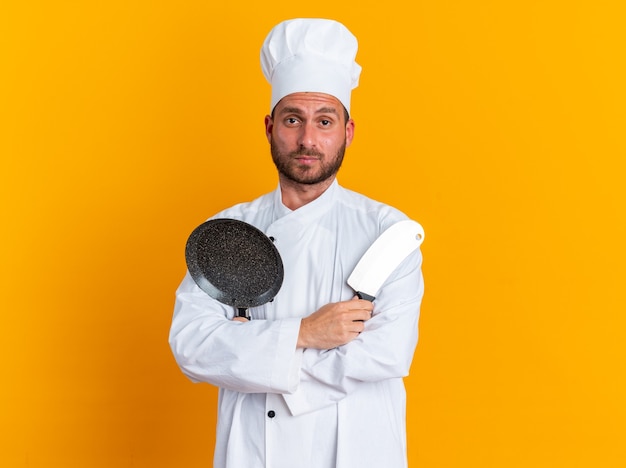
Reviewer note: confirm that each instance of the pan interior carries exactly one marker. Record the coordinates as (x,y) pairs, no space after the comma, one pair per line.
(234,262)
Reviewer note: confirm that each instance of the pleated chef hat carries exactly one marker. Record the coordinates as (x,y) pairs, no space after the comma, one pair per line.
(310,55)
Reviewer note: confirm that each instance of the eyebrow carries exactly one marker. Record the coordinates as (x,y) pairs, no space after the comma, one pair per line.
(321,110)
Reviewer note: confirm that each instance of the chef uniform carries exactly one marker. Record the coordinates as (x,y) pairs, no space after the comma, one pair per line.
(282,407)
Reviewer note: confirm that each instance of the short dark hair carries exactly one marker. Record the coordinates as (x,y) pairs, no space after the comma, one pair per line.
(346,113)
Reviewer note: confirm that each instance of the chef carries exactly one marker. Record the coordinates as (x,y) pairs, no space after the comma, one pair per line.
(314,378)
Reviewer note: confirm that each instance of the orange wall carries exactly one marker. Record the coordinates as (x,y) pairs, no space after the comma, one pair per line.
(498,125)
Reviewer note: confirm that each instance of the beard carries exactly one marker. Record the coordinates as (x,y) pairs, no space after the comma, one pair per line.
(289,167)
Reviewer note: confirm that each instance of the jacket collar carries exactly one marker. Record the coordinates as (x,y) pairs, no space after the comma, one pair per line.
(309,212)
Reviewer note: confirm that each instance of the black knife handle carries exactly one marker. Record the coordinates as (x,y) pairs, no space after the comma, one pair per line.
(367,297)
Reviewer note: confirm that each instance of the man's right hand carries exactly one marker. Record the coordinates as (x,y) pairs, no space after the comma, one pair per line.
(334,324)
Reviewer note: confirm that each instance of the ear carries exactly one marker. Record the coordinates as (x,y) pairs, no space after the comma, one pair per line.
(349,132)
(269,126)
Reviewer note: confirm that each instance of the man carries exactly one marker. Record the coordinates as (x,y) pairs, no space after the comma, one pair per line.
(314,379)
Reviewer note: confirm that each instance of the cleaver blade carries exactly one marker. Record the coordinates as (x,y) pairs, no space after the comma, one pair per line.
(380,260)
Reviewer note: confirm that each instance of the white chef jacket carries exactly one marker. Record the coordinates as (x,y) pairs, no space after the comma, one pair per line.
(282,407)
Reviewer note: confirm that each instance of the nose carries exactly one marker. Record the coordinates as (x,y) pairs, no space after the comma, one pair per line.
(306,138)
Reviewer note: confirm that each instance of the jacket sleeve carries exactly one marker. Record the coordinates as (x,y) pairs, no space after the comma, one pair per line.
(254,357)
(384,350)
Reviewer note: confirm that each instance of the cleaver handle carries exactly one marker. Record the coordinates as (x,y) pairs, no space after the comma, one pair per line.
(367,297)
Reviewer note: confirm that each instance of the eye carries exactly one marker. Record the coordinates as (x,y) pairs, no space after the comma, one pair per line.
(291,121)
(325,122)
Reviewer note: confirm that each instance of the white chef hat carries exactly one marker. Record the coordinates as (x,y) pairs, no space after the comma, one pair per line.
(310,55)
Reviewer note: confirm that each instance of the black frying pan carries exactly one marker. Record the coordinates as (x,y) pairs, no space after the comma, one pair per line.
(234,263)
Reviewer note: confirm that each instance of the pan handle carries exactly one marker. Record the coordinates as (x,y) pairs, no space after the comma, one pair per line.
(243,312)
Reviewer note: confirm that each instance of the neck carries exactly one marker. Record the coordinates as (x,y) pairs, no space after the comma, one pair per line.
(296,195)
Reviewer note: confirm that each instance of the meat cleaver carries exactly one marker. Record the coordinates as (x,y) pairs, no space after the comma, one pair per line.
(380,260)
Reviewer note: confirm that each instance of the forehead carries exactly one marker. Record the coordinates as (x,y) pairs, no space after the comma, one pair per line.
(309,102)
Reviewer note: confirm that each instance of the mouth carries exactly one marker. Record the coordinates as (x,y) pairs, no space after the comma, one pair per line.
(303,159)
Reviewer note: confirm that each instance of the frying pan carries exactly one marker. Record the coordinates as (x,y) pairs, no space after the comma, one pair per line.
(234,263)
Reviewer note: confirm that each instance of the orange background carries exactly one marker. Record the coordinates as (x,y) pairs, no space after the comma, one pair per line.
(498,125)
